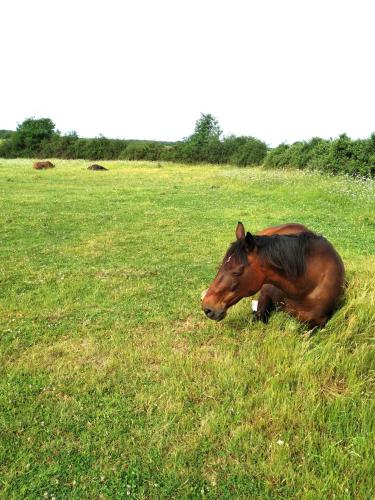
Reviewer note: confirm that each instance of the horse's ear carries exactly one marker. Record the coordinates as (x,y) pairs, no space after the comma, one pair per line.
(250,241)
(240,231)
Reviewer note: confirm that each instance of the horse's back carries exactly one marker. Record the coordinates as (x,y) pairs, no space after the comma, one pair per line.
(291,228)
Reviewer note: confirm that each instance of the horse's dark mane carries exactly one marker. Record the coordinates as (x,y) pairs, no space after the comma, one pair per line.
(238,252)
(286,252)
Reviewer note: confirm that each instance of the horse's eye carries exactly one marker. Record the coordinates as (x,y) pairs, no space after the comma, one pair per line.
(238,271)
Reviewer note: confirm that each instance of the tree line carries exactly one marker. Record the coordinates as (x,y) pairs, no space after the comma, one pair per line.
(39,138)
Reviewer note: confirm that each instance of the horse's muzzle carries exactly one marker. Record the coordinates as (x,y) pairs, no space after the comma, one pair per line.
(214,314)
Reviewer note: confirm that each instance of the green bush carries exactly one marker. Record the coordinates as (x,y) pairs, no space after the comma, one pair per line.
(138,150)
(6,134)
(248,151)
(278,157)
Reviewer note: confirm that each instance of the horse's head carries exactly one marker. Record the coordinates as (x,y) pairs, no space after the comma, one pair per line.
(240,275)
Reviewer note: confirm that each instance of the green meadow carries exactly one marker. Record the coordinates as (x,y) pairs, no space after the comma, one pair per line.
(113,384)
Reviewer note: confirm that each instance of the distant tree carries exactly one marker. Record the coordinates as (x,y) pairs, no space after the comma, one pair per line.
(206,129)
(203,142)
(31,134)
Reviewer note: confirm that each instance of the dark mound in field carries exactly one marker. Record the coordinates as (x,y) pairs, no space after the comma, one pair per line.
(96,167)
(41,165)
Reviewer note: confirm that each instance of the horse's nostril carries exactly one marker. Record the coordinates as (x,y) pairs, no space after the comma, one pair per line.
(208,312)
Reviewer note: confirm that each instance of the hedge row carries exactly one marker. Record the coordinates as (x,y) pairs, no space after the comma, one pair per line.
(342,155)
(241,151)
(38,138)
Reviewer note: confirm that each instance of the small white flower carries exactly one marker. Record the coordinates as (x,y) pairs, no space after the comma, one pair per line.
(279,442)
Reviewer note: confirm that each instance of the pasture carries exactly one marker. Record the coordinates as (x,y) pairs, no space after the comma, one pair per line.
(113,384)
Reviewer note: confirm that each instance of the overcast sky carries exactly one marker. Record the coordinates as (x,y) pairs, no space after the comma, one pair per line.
(279,70)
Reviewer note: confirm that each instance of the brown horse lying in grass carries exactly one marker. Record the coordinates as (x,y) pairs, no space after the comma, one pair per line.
(41,165)
(295,270)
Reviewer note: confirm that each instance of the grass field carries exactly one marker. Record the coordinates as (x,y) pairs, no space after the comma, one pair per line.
(114,385)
